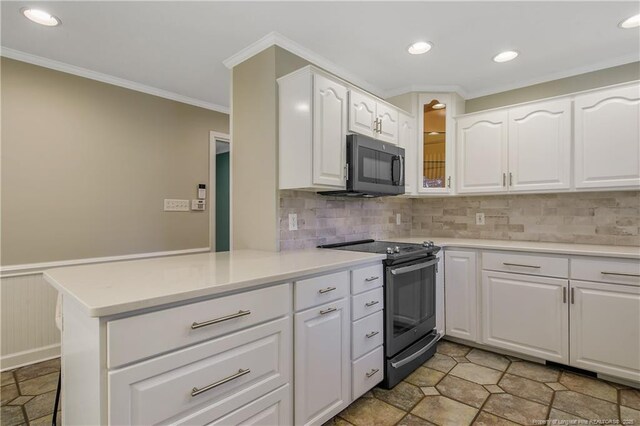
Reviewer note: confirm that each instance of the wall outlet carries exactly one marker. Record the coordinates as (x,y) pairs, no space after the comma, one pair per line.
(479,218)
(398,218)
(176,205)
(293,222)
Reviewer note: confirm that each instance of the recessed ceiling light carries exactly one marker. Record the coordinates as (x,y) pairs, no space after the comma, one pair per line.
(506,56)
(419,47)
(439,106)
(41,17)
(433,133)
(632,22)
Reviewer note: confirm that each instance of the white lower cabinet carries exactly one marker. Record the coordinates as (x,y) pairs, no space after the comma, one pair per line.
(526,314)
(272,409)
(460,294)
(605,328)
(322,363)
(367,371)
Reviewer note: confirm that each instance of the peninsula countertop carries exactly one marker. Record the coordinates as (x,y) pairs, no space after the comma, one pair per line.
(111,288)
(532,246)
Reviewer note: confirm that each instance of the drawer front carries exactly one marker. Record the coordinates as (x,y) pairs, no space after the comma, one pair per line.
(367,334)
(615,271)
(531,264)
(319,290)
(146,335)
(222,374)
(367,372)
(367,278)
(367,303)
(272,409)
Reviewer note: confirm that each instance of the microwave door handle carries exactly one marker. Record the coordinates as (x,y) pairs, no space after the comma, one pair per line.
(393,169)
(401,178)
(404,270)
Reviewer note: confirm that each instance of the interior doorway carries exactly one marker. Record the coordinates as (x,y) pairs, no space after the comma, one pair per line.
(219,182)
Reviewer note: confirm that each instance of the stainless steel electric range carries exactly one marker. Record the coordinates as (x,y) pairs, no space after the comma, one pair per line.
(409,303)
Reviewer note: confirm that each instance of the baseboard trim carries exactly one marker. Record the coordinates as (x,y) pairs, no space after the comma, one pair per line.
(38,268)
(20,359)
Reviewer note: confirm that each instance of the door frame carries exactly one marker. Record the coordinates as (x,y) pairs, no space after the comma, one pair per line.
(214,137)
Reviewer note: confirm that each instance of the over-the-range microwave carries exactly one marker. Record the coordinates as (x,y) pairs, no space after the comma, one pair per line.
(374,168)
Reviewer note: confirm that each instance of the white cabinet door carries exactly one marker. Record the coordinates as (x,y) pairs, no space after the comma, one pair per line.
(526,314)
(540,146)
(482,153)
(407,140)
(460,294)
(388,123)
(362,113)
(607,138)
(605,328)
(329,132)
(322,362)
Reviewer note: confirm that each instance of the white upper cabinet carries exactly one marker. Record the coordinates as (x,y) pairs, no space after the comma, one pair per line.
(372,118)
(540,146)
(407,140)
(312,131)
(436,142)
(482,152)
(607,138)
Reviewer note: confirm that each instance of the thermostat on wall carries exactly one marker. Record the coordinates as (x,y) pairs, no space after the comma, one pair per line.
(198,205)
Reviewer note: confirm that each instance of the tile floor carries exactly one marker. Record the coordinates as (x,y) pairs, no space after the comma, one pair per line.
(28,393)
(463,386)
(458,386)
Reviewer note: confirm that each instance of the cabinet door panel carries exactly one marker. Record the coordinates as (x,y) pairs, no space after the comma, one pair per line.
(540,146)
(482,153)
(460,294)
(388,123)
(322,362)
(607,138)
(605,328)
(526,314)
(407,139)
(362,113)
(329,132)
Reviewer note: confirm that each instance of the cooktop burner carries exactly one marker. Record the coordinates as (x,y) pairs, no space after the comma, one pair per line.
(393,250)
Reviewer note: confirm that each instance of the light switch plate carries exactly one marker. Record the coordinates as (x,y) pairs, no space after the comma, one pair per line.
(171,205)
(398,218)
(293,222)
(479,218)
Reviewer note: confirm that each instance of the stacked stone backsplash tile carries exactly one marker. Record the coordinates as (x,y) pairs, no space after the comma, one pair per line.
(326,220)
(611,218)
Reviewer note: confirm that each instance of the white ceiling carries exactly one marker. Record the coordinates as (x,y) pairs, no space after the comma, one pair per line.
(178,48)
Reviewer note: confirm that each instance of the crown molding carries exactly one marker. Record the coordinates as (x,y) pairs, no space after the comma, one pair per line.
(105,78)
(426,88)
(277,39)
(622,60)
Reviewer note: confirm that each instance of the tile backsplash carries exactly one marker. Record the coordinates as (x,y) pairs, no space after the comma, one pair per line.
(611,218)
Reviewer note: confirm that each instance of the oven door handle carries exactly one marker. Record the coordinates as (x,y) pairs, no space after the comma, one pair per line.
(416,267)
(417,354)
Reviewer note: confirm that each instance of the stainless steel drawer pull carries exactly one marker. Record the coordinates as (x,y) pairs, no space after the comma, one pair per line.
(371,279)
(373,333)
(372,372)
(373,302)
(326,290)
(521,265)
(218,320)
(328,310)
(240,373)
(620,274)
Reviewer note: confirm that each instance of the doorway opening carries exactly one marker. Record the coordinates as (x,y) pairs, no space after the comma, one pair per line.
(219,182)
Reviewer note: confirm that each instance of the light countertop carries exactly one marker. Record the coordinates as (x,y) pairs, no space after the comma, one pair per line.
(532,246)
(117,287)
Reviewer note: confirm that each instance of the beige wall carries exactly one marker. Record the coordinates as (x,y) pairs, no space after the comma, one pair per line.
(591,80)
(86,166)
(254,191)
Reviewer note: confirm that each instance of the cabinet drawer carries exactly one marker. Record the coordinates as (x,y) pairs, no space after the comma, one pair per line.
(367,334)
(367,303)
(146,335)
(531,264)
(367,278)
(165,389)
(367,372)
(319,290)
(616,271)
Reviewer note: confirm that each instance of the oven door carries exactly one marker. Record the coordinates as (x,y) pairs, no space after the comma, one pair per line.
(410,303)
